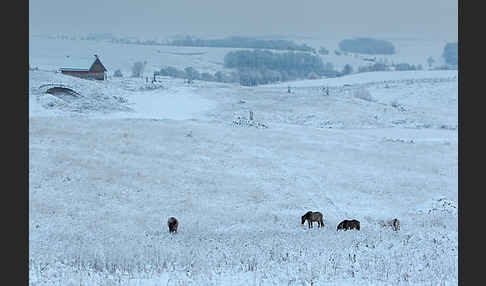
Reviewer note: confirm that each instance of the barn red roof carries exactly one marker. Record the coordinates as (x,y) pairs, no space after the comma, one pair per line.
(96,66)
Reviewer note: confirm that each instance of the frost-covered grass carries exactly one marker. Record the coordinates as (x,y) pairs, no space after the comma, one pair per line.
(102,190)
(205,257)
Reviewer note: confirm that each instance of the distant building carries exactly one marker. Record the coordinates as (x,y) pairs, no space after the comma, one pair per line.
(96,71)
(312,75)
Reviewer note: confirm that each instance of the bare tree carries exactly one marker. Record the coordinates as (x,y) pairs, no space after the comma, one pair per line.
(118,73)
(138,68)
(430,61)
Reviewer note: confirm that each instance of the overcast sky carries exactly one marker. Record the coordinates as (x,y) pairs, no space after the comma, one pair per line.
(429,19)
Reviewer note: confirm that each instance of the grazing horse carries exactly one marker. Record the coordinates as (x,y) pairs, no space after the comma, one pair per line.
(311,217)
(173,224)
(348,224)
(393,223)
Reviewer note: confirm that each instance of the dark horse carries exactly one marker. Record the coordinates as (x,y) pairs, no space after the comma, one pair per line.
(348,224)
(311,217)
(173,224)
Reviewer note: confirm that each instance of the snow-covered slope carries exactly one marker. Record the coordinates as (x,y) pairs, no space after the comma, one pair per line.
(373,77)
(107,169)
(116,98)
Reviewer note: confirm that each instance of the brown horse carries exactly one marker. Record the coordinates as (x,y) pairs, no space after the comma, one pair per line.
(173,224)
(311,217)
(348,224)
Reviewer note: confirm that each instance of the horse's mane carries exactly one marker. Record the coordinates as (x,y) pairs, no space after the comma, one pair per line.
(308,213)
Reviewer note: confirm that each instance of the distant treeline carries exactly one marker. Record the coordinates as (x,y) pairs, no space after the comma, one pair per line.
(386,67)
(450,53)
(246,77)
(189,41)
(367,46)
(108,37)
(256,67)
(136,42)
(241,42)
(323,51)
(191,73)
(256,74)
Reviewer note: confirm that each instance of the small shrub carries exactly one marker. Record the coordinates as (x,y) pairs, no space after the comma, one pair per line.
(348,69)
(207,77)
(323,51)
(430,61)
(137,69)
(191,73)
(172,72)
(118,73)
(163,72)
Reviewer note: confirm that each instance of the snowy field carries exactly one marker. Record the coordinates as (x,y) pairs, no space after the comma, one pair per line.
(107,169)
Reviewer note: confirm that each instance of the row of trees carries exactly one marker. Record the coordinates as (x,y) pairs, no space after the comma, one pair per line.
(367,46)
(261,67)
(385,67)
(240,42)
(193,74)
(256,67)
(450,53)
(323,51)
(407,67)
(136,42)
(246,77)
(296,64)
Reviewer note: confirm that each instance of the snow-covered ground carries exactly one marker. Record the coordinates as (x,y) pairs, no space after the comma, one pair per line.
(107,169)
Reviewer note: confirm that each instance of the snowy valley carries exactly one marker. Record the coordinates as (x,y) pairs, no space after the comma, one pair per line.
(108,167)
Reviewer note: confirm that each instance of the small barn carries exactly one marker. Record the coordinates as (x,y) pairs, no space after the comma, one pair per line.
(312,75)
(96,71)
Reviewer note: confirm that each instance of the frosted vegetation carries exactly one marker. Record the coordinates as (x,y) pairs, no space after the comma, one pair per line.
(238,166)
